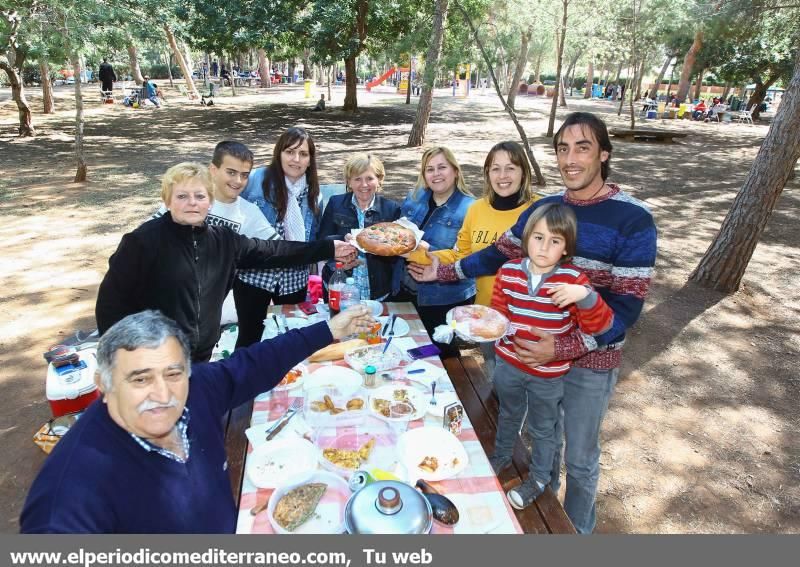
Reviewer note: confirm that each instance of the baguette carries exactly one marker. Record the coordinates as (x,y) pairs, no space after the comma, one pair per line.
(336,351)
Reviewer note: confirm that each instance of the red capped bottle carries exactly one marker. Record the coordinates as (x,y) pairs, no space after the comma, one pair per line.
(335,286)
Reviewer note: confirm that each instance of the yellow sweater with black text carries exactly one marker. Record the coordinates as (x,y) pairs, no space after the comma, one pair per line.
(483,225)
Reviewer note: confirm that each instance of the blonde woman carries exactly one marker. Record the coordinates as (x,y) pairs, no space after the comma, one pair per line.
(377,277)
(507,192)
(183,267)
(438,206)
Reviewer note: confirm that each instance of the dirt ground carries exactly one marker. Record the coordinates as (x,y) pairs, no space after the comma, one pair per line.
(702,433)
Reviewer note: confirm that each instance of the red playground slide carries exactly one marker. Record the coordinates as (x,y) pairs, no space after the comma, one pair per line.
(382,78)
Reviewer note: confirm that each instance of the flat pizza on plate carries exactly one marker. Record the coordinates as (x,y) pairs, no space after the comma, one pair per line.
(387,239)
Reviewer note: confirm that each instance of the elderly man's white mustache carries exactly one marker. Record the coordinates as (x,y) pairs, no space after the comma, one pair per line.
(151,405)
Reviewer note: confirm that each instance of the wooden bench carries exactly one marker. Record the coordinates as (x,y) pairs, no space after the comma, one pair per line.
(546,515)
(235,424)
(647,134)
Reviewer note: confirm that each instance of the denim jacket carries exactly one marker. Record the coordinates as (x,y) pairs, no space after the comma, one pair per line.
(255,194)
(340,216)
(440,232)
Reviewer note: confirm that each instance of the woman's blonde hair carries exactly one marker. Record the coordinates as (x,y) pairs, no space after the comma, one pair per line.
(517,156)
(429,154)
(359,163)
(183,172)
(560,220)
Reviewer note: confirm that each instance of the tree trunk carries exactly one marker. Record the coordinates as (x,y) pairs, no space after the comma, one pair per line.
(417,136)
(661,74)
(330,77)
(616,78)
(233,77)
(187,53)
(759,95)
(589,80)
(263,69)
(699,86)
(724,263)
(640,77)
(168,59)
(562,100)
(688,63)
(726,91)
(80,157)
(606,74)
(513,115)
(18,94)
(47,87)
(559,62)
(187,74)
(538,68)
(522,59)
(350,85)
(133,55)
(308,71)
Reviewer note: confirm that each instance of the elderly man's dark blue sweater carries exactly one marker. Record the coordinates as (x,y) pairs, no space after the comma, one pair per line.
(99,480)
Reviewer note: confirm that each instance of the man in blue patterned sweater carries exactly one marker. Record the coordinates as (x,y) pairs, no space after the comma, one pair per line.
(617,249)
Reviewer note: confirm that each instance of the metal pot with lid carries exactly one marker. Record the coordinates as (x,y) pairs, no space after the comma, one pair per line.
(388,507)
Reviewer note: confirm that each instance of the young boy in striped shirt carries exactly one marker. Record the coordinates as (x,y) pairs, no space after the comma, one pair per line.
(541,291)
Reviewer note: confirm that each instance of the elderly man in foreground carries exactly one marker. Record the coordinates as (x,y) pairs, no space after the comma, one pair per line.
(150,456)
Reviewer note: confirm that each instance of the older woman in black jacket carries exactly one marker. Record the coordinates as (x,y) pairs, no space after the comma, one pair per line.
(377,277)
(183,267)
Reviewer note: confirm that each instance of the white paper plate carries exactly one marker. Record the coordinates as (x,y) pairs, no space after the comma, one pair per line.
(442,399)
(277,462)
(271,331)
(328,517)
(416,444)
(297,383)
(401,328)
(417,399)
(347,380)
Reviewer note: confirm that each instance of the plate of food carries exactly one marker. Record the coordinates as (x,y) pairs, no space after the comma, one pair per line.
(381,400)
(478,323)
(363,356)
(311,504)
(346,380)
(294,378)
(276,462)
(386,239)
(325,406)
(368,445)
(431,453)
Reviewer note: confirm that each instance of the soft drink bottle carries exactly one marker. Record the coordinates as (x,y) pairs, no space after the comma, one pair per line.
(350,295)
(335,286)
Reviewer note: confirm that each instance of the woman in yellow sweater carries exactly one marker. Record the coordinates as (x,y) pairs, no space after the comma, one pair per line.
(507,192)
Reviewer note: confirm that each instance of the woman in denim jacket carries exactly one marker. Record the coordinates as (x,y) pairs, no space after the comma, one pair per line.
(287,192)
(377,277)
(438,207)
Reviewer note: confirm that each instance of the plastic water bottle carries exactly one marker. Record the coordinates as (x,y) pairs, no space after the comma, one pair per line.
(335,286)
(350,294)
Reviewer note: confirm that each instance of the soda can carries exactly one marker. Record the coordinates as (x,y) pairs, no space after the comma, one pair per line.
(359,480)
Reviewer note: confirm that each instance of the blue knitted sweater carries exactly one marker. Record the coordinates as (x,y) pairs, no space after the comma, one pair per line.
(616,248)
(99,480)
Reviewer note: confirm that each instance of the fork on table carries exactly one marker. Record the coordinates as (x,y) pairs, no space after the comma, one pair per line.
(295,406)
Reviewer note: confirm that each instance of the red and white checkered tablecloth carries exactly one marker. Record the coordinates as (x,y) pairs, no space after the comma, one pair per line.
(482,505)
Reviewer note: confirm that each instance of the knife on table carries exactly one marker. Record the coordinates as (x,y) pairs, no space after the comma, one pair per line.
(277,325)
(285,326)
(281,425)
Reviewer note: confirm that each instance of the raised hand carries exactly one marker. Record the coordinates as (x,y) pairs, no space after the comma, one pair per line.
(566,294)
(425,273)
(344,252)
(351,321)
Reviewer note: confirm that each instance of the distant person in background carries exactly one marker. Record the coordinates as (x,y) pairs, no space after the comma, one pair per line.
(225,75)
(699,110)
(320,106)
(107,76)
(214,68)
(151,91)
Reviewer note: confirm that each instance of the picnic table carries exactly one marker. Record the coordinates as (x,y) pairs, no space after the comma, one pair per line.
(478,493)
(647,134)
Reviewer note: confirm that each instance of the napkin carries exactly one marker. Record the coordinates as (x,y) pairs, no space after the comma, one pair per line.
(297,427)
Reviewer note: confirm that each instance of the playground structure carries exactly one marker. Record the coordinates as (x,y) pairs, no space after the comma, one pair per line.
(402,84)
